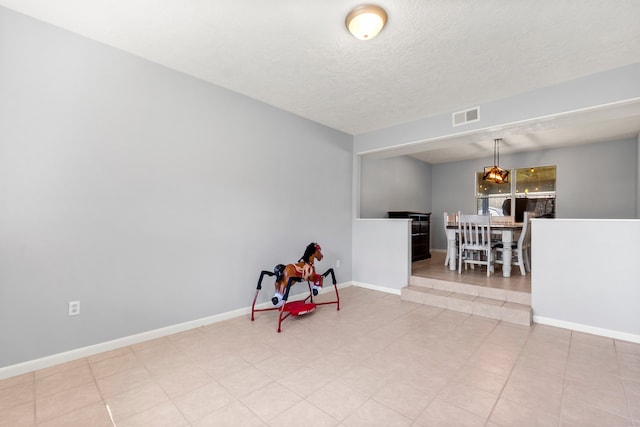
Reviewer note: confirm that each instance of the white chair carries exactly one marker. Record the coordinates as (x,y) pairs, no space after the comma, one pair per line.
(474,234)
(449,219)
(519,249)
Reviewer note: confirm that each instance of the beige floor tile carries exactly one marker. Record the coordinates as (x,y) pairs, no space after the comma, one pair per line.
(124,381)
(270,401)
(136,401)
(305,381)
(363,379)
(66,401)
(428,380)
(201,402)
(245,381)
(593,357)
(540,346)
(468,397)
(629,365)
(17,394)
(112,365)
(481,378)
(259,352)
(19,379)
(608,396)
(338,400)
(361,348)
(507,413)
(632,386)
(548,363)
(373,413)
(627,347)
(22,415)
(585,415)
(221,364)
(60,368)
(333,363)
(496,361)
(64,380)
(234,414)
(404,398)
(162,415)
(632,391)
(94,415)
(276,365)
(163,359)
(580,370)
(183,380)
(508,335)
(440,413)
(534,390)
(550,334)
(581,338)
(304,414)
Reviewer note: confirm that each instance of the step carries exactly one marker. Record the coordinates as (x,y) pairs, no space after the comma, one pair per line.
(475,290)
(493,303)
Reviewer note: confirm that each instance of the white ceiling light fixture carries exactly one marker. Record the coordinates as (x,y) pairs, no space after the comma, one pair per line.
(366,21)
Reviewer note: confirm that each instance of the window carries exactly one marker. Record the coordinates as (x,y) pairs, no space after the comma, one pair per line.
(530,189)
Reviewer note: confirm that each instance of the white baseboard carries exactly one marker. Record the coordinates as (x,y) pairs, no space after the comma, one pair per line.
(48,361)
(68,356)
(623,336)
(377,288)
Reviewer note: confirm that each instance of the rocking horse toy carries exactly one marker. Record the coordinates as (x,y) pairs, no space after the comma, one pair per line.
(286,276)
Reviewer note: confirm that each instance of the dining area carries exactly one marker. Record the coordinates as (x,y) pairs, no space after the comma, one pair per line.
(485,240)
(485,270)
(497,233)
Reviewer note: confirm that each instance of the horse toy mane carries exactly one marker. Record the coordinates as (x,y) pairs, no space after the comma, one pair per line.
(310,250)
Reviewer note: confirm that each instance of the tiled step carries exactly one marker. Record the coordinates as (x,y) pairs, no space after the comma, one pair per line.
(508,306)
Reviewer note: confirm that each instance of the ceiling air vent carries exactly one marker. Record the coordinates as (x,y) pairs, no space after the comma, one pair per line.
(466,116)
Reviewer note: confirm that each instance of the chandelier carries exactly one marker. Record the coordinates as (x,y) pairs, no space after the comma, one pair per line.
(495,173)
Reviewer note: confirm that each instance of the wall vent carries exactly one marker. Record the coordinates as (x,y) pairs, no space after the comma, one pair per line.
(466,116)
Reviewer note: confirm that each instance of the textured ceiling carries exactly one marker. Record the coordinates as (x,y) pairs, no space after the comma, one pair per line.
(434,56)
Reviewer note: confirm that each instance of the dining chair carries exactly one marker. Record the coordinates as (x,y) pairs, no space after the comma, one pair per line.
(520,255)
(474,237)
(449,219)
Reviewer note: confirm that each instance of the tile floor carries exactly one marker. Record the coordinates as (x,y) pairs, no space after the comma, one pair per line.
(379,361)
(434,268)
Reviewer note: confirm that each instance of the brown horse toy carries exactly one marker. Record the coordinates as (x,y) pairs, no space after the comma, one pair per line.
(288,275)
(303,269)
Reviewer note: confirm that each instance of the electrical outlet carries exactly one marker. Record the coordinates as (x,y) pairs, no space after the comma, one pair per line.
(74,308)
(337,263)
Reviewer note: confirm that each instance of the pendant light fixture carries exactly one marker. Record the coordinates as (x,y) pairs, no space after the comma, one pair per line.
(366,21)
(495,173)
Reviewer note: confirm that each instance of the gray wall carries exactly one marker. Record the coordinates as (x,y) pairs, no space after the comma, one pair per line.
(395,184)
(581,192)
(150,196)
(603,301)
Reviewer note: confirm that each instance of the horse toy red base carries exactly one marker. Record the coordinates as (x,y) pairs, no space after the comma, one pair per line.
(286,276)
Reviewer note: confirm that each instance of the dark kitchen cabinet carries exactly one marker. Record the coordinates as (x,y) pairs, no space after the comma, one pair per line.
(420,232)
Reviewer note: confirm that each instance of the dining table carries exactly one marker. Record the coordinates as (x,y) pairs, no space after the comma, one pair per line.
(505,231)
